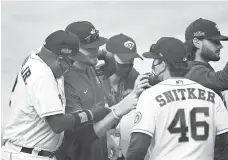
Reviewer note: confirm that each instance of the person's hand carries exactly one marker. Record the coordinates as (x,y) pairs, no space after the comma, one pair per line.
(108,68)
(113,149)
(141,83)
(126,105)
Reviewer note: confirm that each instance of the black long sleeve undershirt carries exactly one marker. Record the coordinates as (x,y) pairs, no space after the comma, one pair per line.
(139,144)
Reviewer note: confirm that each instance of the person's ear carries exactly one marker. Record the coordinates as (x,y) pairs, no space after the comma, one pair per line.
(163,65)
(197,43)
(59,59)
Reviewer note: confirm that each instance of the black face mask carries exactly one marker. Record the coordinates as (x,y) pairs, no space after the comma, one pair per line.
(123,70)
(153,79)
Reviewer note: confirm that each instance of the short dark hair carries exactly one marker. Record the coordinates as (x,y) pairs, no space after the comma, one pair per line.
(190,49)
(178,69)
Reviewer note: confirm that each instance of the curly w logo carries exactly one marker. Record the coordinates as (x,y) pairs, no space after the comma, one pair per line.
(129,44)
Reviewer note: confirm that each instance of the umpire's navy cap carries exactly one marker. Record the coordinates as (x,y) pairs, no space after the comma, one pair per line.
(168,49)
(64,43)
(89,37)
(204,29)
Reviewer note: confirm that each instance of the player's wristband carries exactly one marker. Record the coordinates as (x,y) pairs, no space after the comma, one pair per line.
(114,114)
(82,117)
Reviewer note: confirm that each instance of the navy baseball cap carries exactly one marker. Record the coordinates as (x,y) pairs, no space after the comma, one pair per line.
(168,49)
(123,46)
(63,43)
(89,37)
(204,29)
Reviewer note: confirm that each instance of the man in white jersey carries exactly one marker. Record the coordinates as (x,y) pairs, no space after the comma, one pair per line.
(38,119)
(178,118)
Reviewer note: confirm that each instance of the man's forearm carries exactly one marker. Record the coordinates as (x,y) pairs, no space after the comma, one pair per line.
(101,127)
(63,122)
(138,146)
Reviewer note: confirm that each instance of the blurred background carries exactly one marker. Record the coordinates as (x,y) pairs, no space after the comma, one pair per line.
(26,24)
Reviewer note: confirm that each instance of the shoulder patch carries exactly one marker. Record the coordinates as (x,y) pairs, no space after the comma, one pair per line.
(138,118)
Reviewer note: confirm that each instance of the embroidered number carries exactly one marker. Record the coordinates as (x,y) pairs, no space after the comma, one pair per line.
(194,124)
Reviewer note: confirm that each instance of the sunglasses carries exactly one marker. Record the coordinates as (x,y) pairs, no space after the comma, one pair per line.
(91,38)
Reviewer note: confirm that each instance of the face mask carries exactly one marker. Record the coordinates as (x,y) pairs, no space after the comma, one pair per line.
(153,79)
(123,70)
(65,68)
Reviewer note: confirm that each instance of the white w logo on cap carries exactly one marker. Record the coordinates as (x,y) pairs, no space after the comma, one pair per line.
(129,44)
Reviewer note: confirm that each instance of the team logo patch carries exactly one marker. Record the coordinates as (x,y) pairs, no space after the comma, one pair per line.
(66,50)
(138,118)
(129,44)
(83,117)
(93,31)
(199,34)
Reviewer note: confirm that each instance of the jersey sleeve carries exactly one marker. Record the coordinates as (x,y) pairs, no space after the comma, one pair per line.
(145,121)
(221,117)
(46,97)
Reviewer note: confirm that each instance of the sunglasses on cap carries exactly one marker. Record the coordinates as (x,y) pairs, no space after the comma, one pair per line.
(91,38)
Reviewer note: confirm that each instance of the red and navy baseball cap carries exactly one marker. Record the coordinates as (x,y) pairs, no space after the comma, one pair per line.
(123,46)
(168,49)
(204,29)
(63,43)
(89,37)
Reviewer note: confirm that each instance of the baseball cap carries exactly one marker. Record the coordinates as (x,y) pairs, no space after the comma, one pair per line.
(63,43)
(89,37)
(202,28)
(168,49)
(123,46)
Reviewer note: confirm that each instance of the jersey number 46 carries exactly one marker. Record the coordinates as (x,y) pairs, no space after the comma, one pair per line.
(183,129)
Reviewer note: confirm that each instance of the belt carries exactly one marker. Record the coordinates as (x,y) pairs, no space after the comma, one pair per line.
(30,150)
(40,153)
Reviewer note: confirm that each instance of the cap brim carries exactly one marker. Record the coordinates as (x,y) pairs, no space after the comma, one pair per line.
(96,44)
(219,37)
(151,55)
(125,57)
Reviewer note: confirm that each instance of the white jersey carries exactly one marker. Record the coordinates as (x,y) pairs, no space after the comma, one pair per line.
(36,94)
(183,119)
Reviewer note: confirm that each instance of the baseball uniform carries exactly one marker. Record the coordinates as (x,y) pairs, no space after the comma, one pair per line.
(183,118)
(36,94)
